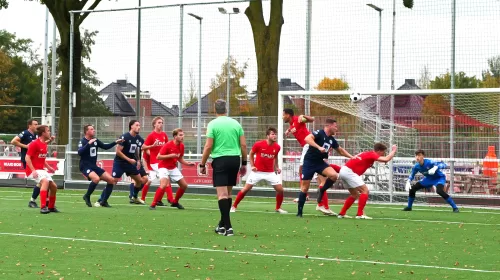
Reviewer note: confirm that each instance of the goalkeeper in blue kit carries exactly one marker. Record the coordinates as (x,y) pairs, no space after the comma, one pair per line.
(432,177)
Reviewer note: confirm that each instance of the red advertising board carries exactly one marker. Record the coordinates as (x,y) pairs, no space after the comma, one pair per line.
(14,166)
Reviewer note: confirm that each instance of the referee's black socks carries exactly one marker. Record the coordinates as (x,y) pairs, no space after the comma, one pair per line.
(225,208)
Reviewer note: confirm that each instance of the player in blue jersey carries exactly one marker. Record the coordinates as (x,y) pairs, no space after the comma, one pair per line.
(128,159)
(320,142)
(432,177)
(87,150)
(22,141)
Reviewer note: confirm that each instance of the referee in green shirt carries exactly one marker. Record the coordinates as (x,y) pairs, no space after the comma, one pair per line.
(227,145)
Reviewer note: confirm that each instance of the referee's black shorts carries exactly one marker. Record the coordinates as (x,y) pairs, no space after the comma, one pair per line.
(225,170)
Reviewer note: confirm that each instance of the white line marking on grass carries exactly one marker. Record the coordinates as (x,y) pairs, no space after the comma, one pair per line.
(265,212)
(312,203)
(246,253)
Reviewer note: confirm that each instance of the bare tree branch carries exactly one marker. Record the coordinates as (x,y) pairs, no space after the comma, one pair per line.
(92,7)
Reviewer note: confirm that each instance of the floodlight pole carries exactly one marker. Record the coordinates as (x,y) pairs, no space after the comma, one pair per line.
(198,127)
(228,68)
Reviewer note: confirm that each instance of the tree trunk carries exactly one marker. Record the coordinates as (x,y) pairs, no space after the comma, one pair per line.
(267,44)
(63,52)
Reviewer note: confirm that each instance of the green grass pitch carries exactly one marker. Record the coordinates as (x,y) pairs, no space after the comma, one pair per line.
(130,241)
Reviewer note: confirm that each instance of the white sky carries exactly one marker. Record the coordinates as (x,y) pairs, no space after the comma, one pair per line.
(344,41)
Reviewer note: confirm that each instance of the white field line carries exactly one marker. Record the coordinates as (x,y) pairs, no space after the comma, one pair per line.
(267,212)
(246,253)
(310,203)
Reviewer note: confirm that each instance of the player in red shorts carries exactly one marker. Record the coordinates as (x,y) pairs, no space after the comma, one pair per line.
(152,145)
(169,155)
(323,203)
(351,172)
(35,163)
(265,167)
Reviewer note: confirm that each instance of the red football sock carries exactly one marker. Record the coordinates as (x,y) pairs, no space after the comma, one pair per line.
(279,200)
(145,190)
(158,195)
(324,201)
(170,194)
(347,204)
(239,197)
(363,198)
(178,194)
(43,198)
(52,202)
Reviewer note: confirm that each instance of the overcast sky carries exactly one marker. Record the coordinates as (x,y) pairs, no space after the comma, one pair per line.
(344,41)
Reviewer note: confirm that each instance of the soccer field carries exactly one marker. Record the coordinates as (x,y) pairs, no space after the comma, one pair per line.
(130,241)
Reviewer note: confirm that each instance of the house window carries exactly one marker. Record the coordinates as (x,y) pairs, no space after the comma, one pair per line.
(194,123)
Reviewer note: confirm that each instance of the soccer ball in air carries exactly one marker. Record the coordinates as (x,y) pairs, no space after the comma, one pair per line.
(355,97)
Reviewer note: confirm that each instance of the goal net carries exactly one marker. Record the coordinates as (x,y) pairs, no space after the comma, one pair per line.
(420,119)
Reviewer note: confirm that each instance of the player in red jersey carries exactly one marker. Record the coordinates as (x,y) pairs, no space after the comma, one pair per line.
(299,130)
(323,203)
(152,145)
(264,167)
(351,172)
(35,163)
(169,155)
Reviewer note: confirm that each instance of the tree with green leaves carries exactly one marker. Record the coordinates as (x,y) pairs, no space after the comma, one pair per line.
(267,45)
(238,93)
(25,73)
(7,89)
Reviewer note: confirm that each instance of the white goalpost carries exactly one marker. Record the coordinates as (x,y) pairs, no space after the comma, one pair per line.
(443,122)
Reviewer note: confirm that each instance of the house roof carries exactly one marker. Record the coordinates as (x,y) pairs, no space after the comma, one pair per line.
(284,85)
(287,85)
(158,109)
(118,105)
(118,87)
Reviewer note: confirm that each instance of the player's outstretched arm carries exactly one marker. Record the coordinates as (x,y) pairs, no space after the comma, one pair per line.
(389,157)
(413,172)
(343,152)
(108,146)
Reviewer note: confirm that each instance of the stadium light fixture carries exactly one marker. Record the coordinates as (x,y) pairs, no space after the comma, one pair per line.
(228,74)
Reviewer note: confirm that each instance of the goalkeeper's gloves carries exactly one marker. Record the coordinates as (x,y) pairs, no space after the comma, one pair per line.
(408,185)
(432,170)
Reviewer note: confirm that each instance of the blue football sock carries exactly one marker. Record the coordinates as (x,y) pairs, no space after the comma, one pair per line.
(302,201)
(109,190)
(36,193)
(410,201)
(91,189)
(131,188)
(137,190)
(451,202)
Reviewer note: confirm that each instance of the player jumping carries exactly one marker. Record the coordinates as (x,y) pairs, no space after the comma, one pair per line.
(351,172)
(432,177)
(265,167)
(88,150)
(169,155)
(35,163)
(320,141)
(299,129)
